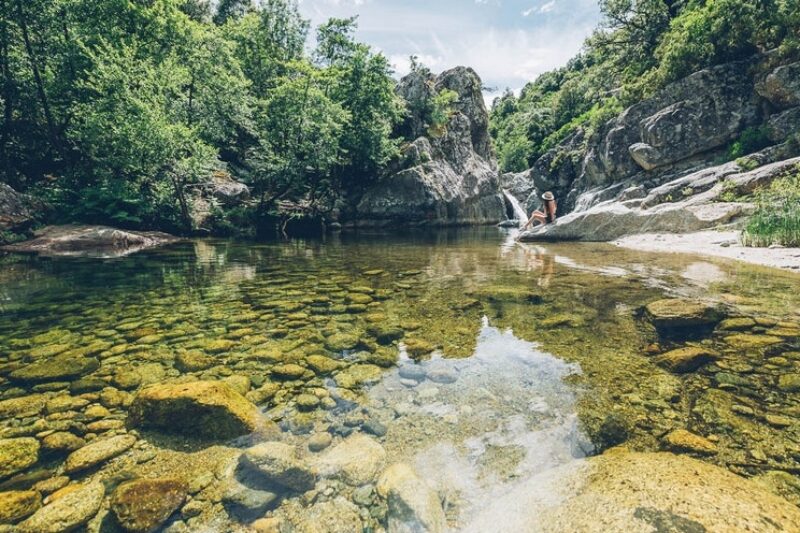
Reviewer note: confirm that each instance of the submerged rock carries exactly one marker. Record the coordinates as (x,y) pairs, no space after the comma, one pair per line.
(413,506)
(17,504)
(334,516)
(638,492)
(68,512)
(17,454)
(21,407)
(59,368)
(685,360)
(205,409)
(681,440)
(280,464)
(674,314)
(98,452)
(357,460)
(143,505)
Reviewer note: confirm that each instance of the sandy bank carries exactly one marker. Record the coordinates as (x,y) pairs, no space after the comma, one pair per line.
(723,244)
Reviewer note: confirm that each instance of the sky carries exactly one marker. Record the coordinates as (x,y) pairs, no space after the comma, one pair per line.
(507,42)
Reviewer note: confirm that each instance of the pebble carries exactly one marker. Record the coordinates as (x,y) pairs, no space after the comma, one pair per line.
(319,441)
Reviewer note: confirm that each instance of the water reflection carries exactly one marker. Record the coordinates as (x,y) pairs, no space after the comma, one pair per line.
(477,428)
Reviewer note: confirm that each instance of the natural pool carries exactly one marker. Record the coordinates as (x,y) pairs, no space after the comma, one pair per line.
(478,363)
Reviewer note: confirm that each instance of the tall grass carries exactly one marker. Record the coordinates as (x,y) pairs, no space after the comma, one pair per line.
(777,216)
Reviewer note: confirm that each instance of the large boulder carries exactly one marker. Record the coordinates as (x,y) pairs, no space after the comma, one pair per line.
(447,177)
(17,211)
(782,86)
(204,409)
(621,491)
(94,241)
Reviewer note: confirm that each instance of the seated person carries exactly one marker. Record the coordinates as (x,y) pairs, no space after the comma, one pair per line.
(547,214)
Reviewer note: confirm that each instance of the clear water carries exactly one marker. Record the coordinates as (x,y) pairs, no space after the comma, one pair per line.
(523,357)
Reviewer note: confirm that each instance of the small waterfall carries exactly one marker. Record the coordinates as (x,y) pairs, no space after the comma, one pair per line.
(519,211)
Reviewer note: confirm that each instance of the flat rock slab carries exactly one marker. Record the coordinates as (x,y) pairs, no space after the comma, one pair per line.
(677,313)
(203,409)
(58,368)
(98,452)
(90,241)
(67,512)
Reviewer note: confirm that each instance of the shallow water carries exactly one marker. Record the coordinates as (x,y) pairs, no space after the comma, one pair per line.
(480,361)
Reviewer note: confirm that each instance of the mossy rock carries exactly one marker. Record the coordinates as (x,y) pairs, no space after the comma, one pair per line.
(205,409)
(143,505)
(385,334)
(193,361)
(17,454)
(736,324)
(218,346)
(417,348)
(59,368)
(359,374)
(746,341)
(339,342)
(17,504)
(322,365)
(675,313)
(685,360)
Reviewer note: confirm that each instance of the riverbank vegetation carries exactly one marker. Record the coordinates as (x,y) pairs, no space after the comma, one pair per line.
(777,217)
(640,46)
(114,111)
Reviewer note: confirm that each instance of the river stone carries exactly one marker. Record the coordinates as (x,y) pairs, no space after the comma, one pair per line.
(62,441)
(413,506)
(789,382)
(356,460)
(307,402)
(59,368)
(141,506)
(246,503)
(745,341)
(333,516)
(68,512)
(17,504)
(98,452)
(21,407)
(736,324)
(193,361)
(281,464)
(17,454)
(681,440)
(359,374)
(673,314)
(322,365)
(685,360)
(289,371)
(205,409)
(319,441)
(339,342)
(60,404)
(636,492)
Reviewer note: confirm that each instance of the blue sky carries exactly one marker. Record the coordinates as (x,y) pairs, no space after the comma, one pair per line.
(508,42)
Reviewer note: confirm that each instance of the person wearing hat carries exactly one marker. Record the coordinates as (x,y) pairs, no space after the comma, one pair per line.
(547,214)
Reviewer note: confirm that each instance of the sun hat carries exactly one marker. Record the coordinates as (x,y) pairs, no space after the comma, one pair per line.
(548,196)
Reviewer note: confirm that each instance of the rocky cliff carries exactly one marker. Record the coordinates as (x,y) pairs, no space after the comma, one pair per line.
(448,177)
(18,212)
(668,149)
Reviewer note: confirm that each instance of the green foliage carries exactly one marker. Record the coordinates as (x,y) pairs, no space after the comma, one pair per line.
(116,110)
(777,216)
(751,140)
(441,111)
(640,46)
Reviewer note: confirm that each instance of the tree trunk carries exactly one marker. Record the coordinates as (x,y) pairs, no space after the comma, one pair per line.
(37,77)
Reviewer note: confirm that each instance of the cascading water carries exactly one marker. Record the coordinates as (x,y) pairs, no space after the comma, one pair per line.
(519,211)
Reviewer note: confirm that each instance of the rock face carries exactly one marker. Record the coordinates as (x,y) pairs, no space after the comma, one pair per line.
(94,241)
(205,409)
(141,506)
(412,505)
(67,512)
(447,177)
(17,211)
(639,492)
(654,167)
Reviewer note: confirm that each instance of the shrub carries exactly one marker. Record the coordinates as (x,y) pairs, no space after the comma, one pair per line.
(751,140)
(777,216)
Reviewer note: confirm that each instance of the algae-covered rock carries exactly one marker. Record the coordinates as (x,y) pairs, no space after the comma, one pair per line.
(681,440)
(789,382)
(17,504)
(684,360)
(357,375)
(322,365)
(333,516)
(193,361)
(23,406)
(746,341)
(736,324)
(205,409)
(672,314)
(59,368)
(98,452)
(17,454)
(413,506)
(289,371)
(307,402)
(281,464)
(68,512)
(62,441)
(339,342)
(143,505)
